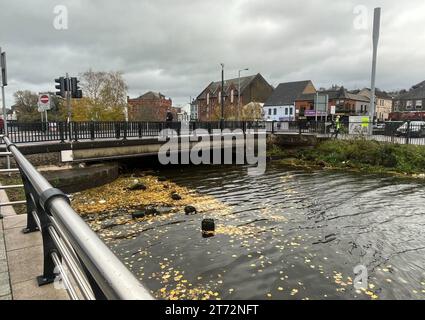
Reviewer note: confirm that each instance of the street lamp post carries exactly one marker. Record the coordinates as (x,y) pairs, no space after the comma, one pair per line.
(222,96)
(376,30)
(239,91)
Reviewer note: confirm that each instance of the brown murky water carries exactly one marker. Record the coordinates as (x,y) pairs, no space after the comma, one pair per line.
(285,235)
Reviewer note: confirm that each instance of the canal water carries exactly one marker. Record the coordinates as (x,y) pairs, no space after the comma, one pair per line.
(288,234)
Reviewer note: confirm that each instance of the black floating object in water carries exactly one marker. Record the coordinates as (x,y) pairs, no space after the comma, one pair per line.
(208,228)
(138,214)
(190,210)
(152,211)
(175,196)
(137,186)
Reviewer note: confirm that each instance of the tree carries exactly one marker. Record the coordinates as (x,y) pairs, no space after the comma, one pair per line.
(26,106)
(105,97)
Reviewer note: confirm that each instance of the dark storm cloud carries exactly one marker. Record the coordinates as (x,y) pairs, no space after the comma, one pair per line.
(176,46)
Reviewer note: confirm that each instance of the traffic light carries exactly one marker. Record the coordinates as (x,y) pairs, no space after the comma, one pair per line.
(61,86)
(76,92)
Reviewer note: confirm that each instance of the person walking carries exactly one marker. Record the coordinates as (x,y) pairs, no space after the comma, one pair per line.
(337,126)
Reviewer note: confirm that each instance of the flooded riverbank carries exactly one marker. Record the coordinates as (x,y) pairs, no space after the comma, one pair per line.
(289,234)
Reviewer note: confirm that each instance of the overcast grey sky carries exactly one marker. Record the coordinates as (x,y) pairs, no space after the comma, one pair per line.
(176,46)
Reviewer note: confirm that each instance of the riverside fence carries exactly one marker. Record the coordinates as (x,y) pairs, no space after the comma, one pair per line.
(74,256)
(409,132)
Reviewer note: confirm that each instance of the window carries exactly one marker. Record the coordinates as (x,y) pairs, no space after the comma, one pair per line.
(397,105)
(409,104)
(286,111)
(208,99)
(291,111)
(219,97)
(270,112)
(232,98)
(275,111)
(418,104)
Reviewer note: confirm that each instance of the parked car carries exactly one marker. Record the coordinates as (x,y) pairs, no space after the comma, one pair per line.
(416,129)
(379,128)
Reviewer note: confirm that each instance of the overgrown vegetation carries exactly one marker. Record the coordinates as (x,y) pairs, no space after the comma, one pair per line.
(365,155)
(17,194)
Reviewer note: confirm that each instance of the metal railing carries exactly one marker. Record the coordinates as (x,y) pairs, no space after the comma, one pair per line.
(70,247)
(414,132)
(91,130)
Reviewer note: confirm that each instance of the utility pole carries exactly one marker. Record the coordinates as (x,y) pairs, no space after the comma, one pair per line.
(222,96)
(68,96)
(376,30)
(3,78)
(239,91)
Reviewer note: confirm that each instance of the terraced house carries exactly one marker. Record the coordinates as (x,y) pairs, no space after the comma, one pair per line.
(413,100)
(347,103)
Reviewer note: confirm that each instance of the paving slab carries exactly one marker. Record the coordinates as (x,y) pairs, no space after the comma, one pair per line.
(3,266)
(16,239)
(6,211)
(29,290)
(16,221)
(4,284)
(25,264)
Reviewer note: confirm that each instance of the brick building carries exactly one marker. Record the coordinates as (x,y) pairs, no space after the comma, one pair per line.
(252,89)
(151,106)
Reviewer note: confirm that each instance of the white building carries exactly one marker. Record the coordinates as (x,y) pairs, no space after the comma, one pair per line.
(281,104)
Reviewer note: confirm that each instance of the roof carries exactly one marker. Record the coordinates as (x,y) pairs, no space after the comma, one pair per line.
(416,93)
(342,93)
(378,93)
(152,95)
(287,93)
(214,87)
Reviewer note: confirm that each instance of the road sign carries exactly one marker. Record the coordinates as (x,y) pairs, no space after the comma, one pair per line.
(333,110)
(44,102)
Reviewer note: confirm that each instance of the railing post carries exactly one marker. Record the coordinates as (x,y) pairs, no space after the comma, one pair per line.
(49,247)
(92,135)
(139,129)
(408,132)
(75,126)
(117,130)
(31,207)
(61,132)
(125,130)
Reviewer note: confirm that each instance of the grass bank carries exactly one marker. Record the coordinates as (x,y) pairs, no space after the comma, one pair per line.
(359,154)
(17,194)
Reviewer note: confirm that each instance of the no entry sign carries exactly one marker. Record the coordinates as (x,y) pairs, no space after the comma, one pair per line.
(43,102)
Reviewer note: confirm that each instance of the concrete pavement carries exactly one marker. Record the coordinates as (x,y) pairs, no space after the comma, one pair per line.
(21,260)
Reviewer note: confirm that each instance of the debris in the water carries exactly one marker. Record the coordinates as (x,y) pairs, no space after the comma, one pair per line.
(208,228)
(190,210)
(137,186)
(175,196)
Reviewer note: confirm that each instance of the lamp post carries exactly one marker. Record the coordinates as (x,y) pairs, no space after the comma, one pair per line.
(376,30)
(239,91)
(222,96)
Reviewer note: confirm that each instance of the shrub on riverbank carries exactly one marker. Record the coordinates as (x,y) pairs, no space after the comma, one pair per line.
(364,154)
